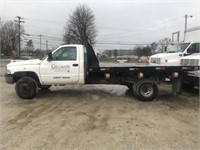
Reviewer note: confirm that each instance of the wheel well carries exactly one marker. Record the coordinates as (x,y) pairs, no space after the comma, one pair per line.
(19,75)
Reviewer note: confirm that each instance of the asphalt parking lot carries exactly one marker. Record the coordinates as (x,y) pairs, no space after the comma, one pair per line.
(100,117)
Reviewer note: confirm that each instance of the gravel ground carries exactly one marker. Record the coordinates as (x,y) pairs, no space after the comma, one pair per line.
(100,117)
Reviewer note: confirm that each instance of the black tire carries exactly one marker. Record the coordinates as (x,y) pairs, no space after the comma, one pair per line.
(134,89)
(26,88)
(45,87)
(146,90)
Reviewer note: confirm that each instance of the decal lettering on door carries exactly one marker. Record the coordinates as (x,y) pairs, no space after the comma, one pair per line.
(60,68)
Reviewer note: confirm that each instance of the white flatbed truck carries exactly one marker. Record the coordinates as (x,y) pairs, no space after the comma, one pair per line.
(77,64)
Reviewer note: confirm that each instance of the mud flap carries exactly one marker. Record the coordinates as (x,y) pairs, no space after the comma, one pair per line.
(176,85)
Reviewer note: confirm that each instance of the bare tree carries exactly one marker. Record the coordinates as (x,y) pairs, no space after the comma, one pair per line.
(115,53)
(80,26)
(28,49)
(9,37)
(153,47)
(164,43)
(29,45)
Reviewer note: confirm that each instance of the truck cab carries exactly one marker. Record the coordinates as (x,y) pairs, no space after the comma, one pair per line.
(65,65)
(173,55)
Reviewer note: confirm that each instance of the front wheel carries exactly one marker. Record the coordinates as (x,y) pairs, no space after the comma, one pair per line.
(26,88)
(146,90)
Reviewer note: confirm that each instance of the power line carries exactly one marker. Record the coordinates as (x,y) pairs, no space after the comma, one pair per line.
(140,28)
(46,21)
(114,43)
(41,29)
(36,39)
(45,44)
(47,36)
(128,31)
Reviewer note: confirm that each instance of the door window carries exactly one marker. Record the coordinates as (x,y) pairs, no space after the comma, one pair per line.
(197,48)
(194,48)
(65,53)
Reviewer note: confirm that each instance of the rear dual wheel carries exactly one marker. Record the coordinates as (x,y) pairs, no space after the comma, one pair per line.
(145,90)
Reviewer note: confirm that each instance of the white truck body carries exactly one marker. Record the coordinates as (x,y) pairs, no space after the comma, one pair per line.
(57,72)
(192,60)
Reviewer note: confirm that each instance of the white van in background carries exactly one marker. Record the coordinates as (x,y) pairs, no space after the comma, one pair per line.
(191,79)
(173,55)
(185,54)
(180,50)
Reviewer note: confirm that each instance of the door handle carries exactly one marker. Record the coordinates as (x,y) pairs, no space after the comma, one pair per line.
(75,65)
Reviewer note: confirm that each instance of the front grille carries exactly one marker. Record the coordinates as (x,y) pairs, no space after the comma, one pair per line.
(155,60)
(190,62)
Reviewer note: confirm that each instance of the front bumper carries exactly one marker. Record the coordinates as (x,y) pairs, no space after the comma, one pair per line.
(9,78)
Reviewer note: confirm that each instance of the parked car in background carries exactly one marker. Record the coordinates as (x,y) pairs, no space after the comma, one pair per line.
(143,59)
(123,59)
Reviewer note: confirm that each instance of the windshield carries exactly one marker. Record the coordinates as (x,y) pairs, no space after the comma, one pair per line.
(178,48)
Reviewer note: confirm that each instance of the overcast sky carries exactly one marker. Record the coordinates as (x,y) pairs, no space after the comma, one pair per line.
(120,23)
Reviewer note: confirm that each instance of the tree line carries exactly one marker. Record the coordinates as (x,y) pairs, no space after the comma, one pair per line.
(153,48)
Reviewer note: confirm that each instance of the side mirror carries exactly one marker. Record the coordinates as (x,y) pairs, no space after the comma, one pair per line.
(50,58)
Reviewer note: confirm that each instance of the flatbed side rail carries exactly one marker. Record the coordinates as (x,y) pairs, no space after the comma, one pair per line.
(145,69)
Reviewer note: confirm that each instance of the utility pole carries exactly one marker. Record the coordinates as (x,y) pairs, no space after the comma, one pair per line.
(19,21)
(40,40)
(186,16)
(47,45)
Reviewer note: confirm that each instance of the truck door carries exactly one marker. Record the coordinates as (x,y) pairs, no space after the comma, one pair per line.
(62,69)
